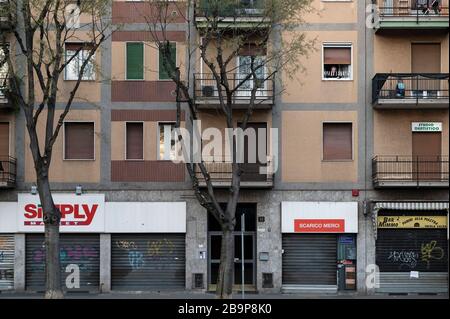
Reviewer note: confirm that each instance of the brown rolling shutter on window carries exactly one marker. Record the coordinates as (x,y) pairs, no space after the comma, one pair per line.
(4,139)
(337,56)
(252,50)
(79,140)
(337,141)
(135,135)
(75,46)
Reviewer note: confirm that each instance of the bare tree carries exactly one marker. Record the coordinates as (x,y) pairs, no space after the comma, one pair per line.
(42,30)
(225,29)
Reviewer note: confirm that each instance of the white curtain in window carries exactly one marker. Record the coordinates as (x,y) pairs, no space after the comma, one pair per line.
(73,68)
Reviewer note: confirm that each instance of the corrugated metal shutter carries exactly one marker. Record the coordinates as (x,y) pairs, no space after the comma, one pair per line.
(400,251)
(6,262)
(148,261)
(80,249)
(309,259)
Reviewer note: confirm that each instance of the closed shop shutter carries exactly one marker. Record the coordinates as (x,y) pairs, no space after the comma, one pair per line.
(148,261)
(400,251)
(6,262)
(309,259)
(82,250)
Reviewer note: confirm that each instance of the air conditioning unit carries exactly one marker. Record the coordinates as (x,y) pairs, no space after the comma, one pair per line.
(208,91)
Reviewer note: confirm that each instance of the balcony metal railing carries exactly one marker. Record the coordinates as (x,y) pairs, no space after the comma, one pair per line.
(3,86)
(419,9)
(205,89)
(410,170)
(7,171)
(221,174)
(229,8)
(410,86)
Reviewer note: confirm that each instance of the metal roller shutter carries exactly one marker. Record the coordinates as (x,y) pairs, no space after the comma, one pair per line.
(309,259)
(6,262)
(400,251)
(82,250)
(148,261)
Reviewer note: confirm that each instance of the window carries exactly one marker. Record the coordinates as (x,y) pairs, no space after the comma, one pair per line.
(337,62)
(73,68)
(3,70)
(337,141)
(164,69)
(135,141)
(79,140)
(135,61)
(167,141)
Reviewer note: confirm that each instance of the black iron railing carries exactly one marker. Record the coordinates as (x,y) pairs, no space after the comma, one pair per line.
(412,86)
(229,8)
(416,169)
(205,88)
(7,171)
(419,9)
(221,172)
(7,14)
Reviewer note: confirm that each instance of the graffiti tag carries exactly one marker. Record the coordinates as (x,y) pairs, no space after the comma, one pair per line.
(430,252)
(154,248)
(405,258)
(136,259)
(124,244)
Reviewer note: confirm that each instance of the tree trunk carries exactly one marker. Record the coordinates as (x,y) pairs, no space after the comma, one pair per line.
(225,280)
(52,218)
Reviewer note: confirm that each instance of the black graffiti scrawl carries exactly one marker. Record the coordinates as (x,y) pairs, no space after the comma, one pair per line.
(403,250)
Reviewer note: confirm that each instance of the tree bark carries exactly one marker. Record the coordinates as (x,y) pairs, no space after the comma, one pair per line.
(52,217)
(225,280)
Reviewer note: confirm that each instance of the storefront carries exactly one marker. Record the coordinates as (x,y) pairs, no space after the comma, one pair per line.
(319,246)
(118,245)
(6,261)
(147,245)
(82,221)
(412,247)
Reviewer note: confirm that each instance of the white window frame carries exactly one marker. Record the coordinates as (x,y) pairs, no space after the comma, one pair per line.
(64,141)
(143,60)
(143,144)
(337,45)
(94,77)
(353,142)
(158,123)
(176,61)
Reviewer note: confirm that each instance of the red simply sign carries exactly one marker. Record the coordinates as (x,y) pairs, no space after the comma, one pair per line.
(319,225)
(71,214)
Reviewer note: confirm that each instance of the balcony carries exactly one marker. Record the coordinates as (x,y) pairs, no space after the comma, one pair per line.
(410,91)
(412,15)
(206,95)
(221,173)
(5,103)
(7,172)
(409,171)
(7,14)
(231,13)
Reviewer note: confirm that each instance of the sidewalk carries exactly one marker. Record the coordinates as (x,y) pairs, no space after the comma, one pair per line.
(201,295)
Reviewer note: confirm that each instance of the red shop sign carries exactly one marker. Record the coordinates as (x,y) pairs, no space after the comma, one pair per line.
(319,225)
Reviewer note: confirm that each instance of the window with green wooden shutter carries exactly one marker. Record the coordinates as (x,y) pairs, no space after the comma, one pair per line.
(163,71)
(135,61)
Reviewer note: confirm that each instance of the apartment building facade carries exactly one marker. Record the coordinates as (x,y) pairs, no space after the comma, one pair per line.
(362,175)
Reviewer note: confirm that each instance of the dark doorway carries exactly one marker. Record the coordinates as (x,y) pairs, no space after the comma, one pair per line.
(426,152)
(250,168)
(214,245)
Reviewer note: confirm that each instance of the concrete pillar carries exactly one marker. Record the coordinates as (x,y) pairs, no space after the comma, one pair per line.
(19,262)
(105,262)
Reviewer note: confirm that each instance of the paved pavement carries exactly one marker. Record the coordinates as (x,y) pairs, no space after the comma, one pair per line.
(201,295)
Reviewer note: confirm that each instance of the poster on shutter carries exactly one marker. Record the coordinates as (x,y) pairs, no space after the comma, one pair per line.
(79,213)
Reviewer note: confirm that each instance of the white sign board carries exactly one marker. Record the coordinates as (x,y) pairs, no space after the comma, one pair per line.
(426,126)
(319,217)
(145,217)
(79,213)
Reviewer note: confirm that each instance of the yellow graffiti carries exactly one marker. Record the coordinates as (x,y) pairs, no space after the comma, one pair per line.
(126,245)
(431,252)
(154,248)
